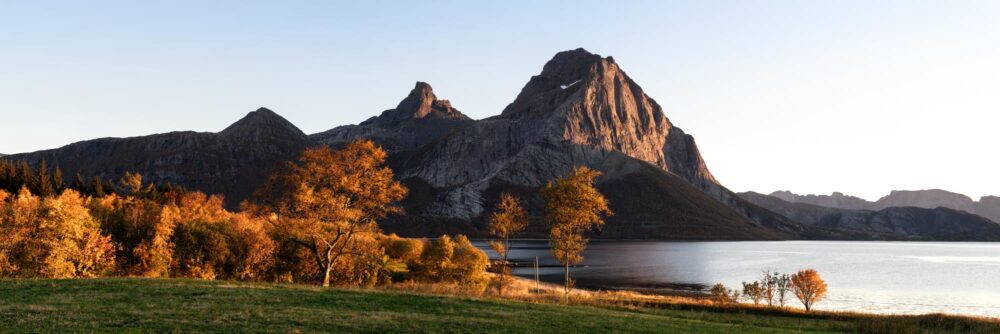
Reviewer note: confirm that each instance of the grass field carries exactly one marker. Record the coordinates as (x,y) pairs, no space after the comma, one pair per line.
(178,305)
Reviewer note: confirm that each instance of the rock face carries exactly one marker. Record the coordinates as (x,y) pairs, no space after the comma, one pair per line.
(835,200)
(892,223)
(419,119)
(580,109)
(987,206)
(584,110)
(233,162)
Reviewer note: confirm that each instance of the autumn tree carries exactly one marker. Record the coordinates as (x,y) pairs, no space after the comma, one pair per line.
(17,225)
(783,284)
(326,198)
(52,237)
(808,287)
(507,220)
(723,295)
(573,207)
(753,291)
(70,239)
(453,261)
(768,284)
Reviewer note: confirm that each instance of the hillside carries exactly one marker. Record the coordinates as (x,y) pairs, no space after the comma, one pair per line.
(233,162)
(172,305)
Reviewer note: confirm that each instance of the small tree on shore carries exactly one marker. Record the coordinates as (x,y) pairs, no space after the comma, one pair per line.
(574,207)
(768,284)
(808,287)
(723,295)
(783,284)
(753,291)
(507,221)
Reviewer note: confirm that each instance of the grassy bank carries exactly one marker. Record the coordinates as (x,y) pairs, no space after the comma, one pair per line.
(148,305)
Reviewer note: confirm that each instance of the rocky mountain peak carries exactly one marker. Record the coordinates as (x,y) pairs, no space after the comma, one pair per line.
(588,100)
(263,123)
(572,64)
(421,103)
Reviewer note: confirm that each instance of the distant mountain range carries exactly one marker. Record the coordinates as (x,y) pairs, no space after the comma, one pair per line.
(582,109)
(987,206)
(890,223)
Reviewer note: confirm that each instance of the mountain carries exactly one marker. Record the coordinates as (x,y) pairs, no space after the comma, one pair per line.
(582,109)
(233,162)
(987,206)
(892,223)
(835,200)
(419,119)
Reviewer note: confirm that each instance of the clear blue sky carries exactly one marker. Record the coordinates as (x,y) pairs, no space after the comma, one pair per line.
(812,96)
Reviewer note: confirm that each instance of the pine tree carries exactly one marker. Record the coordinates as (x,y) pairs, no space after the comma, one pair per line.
(98,187)
(24,177)
(79,185)
(57,180)
(43,185)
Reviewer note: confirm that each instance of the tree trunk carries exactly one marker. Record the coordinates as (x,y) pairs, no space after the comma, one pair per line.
(326,276)
(566,280)
(503,272)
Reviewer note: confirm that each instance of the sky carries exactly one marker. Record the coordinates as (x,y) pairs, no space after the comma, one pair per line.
(860,97)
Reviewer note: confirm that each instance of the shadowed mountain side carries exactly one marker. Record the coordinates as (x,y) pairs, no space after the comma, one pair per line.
(233,162)
(894,223)
(648,202)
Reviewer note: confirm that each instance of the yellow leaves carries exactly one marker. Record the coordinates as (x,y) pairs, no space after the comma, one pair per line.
(455,261)
(808,287)
(509,218)
(573,206)
(53,237)
(573,203)
(329,198)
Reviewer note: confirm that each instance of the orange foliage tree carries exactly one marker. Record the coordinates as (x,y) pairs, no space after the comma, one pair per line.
(574,207)
(52,237)
(507,220)
(325,199)
(808,287)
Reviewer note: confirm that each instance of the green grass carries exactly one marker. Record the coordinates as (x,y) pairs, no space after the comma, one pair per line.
(169,305)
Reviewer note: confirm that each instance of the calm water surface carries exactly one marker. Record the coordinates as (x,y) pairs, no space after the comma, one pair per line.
(880,277)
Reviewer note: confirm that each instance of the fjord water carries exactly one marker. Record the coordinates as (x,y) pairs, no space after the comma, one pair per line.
(878,277)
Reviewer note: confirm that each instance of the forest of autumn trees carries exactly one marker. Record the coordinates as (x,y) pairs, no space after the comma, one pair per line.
(315,222)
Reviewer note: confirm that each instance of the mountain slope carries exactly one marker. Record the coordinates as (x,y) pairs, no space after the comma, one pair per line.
(893,223)
(233,162)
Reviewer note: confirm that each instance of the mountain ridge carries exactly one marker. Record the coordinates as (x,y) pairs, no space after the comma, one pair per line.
(987,206)
(582,109)
(891,223)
